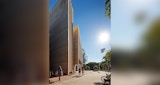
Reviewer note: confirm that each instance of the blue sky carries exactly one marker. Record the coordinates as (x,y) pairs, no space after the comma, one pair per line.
(89,15)
(52,3)
(126,33)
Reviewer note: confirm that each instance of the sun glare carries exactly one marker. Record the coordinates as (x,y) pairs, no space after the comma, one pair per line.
(104,37)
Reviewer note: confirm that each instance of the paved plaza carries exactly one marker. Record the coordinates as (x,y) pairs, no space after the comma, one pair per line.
(89,78)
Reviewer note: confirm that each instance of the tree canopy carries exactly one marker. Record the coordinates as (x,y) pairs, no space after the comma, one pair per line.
(107,60)
(108,8)
(152,37)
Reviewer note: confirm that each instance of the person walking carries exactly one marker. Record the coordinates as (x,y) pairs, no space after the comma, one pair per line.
(79,71)
(59,72)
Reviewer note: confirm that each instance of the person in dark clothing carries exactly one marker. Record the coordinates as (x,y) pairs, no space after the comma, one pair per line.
(59,72)
(79,71)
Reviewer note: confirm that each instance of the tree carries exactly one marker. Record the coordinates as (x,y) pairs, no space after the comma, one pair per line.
(103,66)
(107,56)
(92,64)
(108,8)
(151,48)
(152,37)
(84,56)
(107,59)
(95,68)
(87,67)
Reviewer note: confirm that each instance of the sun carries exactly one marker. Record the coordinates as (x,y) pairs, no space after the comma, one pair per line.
(104,37)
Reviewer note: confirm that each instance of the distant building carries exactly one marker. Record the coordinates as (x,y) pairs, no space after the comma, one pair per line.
(61,38)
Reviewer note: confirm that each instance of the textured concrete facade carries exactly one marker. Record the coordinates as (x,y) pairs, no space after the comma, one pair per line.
(78,54)
(61,37)
(70,37)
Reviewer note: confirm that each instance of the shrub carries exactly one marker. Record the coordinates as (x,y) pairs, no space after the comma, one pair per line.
(87,67)
(95,68)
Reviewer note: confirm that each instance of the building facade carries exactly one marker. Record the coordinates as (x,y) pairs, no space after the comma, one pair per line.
(61,37)
(78,54)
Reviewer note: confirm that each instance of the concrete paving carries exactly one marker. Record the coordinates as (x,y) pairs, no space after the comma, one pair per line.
(89,78)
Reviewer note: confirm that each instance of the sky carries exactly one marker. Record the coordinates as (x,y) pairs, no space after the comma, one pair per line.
(89,16)
(126,33)
(52,4)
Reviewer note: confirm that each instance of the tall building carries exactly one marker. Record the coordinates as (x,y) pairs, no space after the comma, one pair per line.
(78,54)
(61,37)
(70,36)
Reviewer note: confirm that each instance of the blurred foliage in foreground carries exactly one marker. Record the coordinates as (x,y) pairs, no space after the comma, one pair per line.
(146,57)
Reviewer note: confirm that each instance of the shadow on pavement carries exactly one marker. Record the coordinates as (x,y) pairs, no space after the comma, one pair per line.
(99,83)
(51,82)
(76,76)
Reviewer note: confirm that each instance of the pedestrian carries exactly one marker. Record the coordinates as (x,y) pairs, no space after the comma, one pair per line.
(79,71)
(82,70)
(59,72)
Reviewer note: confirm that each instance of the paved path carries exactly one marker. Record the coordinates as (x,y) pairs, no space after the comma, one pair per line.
(55,79)
(89,78)
(135,78)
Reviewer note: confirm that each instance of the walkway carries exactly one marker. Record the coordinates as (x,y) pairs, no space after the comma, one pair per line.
(89,78)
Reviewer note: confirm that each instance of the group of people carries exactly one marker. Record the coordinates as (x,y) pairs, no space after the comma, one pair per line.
(60,71)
